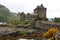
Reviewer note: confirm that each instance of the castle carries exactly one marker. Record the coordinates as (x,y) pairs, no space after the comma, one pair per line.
(39,13)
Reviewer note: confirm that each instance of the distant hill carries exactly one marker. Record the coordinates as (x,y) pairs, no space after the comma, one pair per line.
(4,13)
(14,14)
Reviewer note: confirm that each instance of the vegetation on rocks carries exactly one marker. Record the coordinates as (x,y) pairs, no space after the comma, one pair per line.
(55,20)
(50,34)
(21,32)
(4,13)
(24,23)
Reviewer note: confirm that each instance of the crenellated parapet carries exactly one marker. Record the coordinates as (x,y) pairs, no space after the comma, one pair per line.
(39,14)
(26,17)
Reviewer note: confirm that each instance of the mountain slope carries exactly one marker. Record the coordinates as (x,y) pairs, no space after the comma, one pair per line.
(4,13)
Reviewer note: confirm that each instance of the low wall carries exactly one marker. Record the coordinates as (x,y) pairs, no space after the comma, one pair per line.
(46,25)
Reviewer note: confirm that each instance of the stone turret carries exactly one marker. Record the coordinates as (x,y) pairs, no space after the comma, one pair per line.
(27,17)
(40,11)
(18,16)
(22,16)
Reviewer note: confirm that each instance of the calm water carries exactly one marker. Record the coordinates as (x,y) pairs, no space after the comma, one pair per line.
(26,39)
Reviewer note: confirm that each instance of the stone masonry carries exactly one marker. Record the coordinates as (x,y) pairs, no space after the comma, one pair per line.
(39,13)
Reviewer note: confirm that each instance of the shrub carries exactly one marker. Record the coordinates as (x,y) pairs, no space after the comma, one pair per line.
(50,33)
(21,32)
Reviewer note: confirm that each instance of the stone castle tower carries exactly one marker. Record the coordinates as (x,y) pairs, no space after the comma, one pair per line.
(39,13)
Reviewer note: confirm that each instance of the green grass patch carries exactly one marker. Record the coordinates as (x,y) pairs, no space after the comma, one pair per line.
(21,32)
(24,23)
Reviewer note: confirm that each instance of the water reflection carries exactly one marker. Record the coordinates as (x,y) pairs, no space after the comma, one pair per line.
(26,39)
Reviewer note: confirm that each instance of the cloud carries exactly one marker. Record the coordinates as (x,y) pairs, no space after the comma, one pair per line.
(53,7)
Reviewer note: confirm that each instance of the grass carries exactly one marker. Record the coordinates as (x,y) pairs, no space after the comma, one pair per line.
(21,32)
(24,23)
(21,23)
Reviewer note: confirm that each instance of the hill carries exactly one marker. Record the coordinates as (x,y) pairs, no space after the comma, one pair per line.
(4,13)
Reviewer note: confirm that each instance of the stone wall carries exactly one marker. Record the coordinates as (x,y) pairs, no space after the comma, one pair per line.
(46,25)
(16,36)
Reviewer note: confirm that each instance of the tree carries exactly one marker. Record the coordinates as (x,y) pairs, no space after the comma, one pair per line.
(55,19)
(11,19)
(2,18)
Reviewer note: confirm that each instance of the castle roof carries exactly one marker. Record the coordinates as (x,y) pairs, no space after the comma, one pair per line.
(28,14)
(32,14)
(22,13)
(39,7)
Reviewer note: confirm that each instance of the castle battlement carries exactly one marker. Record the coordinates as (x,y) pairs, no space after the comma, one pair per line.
(39,13)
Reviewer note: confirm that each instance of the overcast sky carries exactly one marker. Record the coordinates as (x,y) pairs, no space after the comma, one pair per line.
(53,6)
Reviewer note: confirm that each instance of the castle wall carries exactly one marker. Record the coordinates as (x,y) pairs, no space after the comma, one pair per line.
(39,13)
(22,16)
(18,16)
(28,17)
(46,25)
